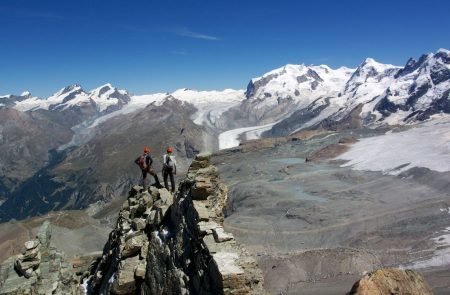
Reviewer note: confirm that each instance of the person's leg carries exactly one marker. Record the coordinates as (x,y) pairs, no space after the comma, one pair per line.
(165,174)
(172,180)
(144,176)
(152,173)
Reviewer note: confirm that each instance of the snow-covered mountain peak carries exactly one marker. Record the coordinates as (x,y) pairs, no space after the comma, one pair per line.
(102,89)
(371,71)
(68,89)
(298,83)
(443,50)
(370,63)
(26,94)
(107,96)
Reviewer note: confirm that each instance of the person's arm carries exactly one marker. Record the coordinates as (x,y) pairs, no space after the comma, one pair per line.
(149,160)
(174,166)
(137,161)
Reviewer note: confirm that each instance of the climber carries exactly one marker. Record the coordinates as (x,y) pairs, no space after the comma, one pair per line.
(169,169)
(145,163)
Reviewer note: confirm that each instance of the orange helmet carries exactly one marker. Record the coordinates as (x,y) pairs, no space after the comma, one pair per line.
(146,150)
(169,150)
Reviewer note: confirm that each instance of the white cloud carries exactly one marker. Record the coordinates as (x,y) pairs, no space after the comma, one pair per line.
(184,32)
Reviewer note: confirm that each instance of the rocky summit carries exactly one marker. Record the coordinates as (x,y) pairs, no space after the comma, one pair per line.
(165,244)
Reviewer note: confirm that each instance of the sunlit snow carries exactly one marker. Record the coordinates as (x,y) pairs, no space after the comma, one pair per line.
(426,145)
(231,138)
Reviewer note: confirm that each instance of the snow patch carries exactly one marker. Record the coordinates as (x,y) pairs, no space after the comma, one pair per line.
(230,138)
(447,210)
(156,235)
(85,285)
(427,145)
(112,278)
(441,256)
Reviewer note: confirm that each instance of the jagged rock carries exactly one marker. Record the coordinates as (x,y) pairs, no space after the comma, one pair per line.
(126,205)
(66,276)
(196,164)
(44,234)
(147,200)
(138,224)
(133,246)
(139,272)
(188,251)
(124,282)
(31,244)
(166,197)
(162,206)
(132,202)
(203,157)
(23,265)
(144,250)
(203,212)
(154,192)
(125,214)
(124,226)
(29,255)
(207,227)
(391,281)
(18,285)
(151,218)
(202,188)
(147,212)
(221,236)
(43,270)
(135,190)
(137,211)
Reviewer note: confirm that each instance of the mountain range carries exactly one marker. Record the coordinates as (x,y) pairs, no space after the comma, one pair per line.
(76,147)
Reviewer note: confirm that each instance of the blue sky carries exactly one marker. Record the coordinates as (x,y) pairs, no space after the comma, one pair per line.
(148,46)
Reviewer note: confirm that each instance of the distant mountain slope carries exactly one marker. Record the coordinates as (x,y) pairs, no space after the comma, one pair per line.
(69,150)
(296,97)
(103,167)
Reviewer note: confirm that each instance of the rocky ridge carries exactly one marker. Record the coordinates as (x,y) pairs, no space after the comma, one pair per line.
(41,269)
(165,244)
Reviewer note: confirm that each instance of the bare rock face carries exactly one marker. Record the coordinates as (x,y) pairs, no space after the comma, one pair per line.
(391,281)
(122,267)
(190,253)
(175,244)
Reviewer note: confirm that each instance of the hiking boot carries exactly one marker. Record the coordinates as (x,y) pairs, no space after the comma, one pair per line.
(158,185)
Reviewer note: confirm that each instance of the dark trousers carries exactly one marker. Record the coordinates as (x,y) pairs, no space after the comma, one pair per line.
(152,173)
(168,172)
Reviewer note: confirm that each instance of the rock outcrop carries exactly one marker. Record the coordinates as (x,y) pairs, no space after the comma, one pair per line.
(41,269)
(391,281)
(165,244)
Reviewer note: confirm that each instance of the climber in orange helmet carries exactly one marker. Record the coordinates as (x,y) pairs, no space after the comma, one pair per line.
(144,162)
(169,169)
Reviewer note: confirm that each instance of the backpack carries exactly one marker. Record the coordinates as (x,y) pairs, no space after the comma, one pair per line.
(142,162)
(169,162)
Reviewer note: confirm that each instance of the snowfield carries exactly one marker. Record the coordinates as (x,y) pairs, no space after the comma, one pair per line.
(426,145)
(210,104)
(230,138)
